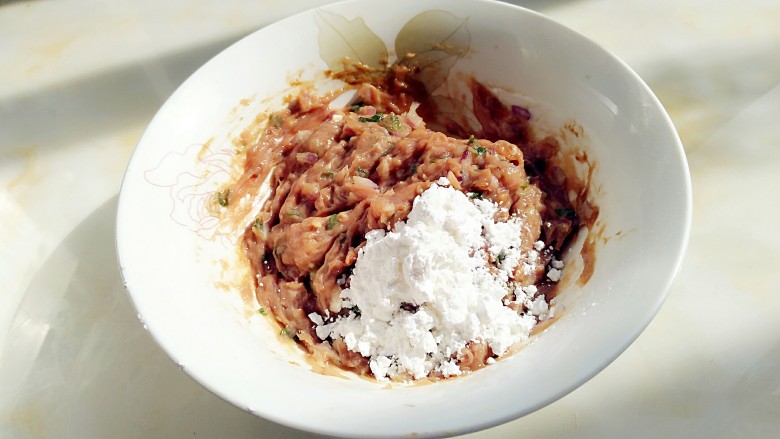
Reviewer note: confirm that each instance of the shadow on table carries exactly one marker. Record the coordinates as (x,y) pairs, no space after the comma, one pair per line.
(703,90)
(79,364)
(100,103)
(107,101)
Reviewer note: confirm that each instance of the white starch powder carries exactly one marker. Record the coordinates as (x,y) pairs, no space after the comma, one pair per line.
(425,290)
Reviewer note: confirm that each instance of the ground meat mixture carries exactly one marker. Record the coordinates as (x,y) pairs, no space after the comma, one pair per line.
(337,173)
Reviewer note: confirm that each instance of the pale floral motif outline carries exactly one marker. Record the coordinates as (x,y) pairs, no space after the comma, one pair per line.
(193,190)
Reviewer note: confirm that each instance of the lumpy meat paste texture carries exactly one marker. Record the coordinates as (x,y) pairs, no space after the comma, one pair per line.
(336,174)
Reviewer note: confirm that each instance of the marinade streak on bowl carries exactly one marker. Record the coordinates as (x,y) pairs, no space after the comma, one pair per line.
(336,174)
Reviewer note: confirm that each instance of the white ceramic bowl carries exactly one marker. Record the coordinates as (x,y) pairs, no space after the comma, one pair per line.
(167,245)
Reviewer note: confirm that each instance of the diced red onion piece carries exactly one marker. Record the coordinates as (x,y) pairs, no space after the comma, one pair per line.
(362,181)
(412,118)
(522,112)
(347,132)
(367,111)
(306,157)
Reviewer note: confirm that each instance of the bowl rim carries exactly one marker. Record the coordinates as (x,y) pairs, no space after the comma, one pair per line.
(681,244)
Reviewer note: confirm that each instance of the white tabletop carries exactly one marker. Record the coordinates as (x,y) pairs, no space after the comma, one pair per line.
(79,80)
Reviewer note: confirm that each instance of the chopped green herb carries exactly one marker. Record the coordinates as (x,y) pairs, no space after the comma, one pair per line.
(501,258)
(355,108)
(292,213)
(276,120)
(566,213)
(414,168)
(355,310)
(332,221)
(388,150)
(288,331)
(481,150)
(327,174)
(223,197)
(391,122)
(473,140)
(446,155)
(258,225)
(262,311)
(374,118)
(475,195)
(362,172)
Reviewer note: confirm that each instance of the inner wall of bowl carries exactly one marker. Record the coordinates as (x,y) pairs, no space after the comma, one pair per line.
(512,48)
(552,69)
